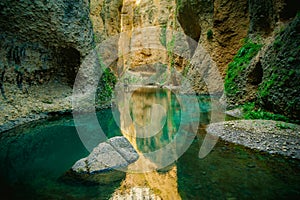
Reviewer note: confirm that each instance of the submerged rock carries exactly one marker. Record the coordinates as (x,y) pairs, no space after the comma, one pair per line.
(105,163)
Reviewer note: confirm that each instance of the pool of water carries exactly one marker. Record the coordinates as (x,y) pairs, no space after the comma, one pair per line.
(33,158)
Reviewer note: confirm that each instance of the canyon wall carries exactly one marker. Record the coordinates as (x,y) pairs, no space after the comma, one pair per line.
(270,79)
(45,40)
(41,40)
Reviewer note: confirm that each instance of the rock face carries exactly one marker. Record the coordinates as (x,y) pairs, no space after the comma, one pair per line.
(116,153)
(43,43)
(47,40)
(271,79)
(43,39)
(217,25)
(279,90)
(106,18)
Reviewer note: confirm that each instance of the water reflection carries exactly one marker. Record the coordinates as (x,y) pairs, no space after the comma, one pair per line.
(150,120)
(33,158)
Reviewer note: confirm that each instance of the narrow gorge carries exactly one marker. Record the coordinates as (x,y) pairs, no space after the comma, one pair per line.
(194,86)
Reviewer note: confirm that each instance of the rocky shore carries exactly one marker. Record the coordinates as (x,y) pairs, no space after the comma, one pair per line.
(33,103)
(274,137)
(53,99)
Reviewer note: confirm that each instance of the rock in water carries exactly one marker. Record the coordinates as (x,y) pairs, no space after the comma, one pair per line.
(105,163)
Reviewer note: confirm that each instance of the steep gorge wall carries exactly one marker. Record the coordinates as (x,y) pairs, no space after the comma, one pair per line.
(41,40)
(271,77)
(141,23)
(106,18)
(279,91)
(218,25)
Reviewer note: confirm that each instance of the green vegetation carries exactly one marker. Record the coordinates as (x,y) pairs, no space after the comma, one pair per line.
(106,84)
(278,78)
(239,63)
(169,45)
(170,49)
(251,111)
(209,34)
(277,43)
(97,38)
(186,70)
(285,126)
(265,87)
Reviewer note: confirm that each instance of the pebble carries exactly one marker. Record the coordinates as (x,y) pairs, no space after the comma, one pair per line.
(251,165)
(263,135)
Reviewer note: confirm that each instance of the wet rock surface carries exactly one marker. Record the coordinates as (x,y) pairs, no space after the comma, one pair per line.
(105,162)
(271,136)
(116,153)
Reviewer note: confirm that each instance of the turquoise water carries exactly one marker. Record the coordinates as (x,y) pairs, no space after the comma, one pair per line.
(34,158)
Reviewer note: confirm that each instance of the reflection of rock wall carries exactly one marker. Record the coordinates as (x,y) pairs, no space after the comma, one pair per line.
(150,110)
(141,117)
(147,118)
(152,185)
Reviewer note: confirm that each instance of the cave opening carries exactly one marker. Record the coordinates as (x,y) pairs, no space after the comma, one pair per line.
(69,62)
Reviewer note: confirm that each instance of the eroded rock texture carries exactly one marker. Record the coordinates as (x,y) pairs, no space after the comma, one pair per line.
(105,163)
(279,90)
(217,25)
(43,39)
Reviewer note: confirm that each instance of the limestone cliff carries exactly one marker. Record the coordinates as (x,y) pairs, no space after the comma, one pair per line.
(217,25)
(106,18)
(48,39)
(265,69)
(280,63)
(270,78)
(43,39)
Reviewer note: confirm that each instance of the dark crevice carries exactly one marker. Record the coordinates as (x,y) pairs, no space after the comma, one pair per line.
(70,62)
(1,84)
(256,75)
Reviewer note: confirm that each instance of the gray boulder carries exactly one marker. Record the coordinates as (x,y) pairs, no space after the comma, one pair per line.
(116,153)
(105,163)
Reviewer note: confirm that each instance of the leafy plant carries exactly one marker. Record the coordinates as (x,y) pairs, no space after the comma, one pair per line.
(285,126)
(265,87)
(186,70)
(277,43)
(251,111)
(106,84)
(239,63)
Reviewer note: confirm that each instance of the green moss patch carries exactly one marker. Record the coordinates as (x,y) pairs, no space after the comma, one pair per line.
(239,64)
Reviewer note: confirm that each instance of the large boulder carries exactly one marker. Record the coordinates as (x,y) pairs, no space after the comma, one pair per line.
(105,164)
